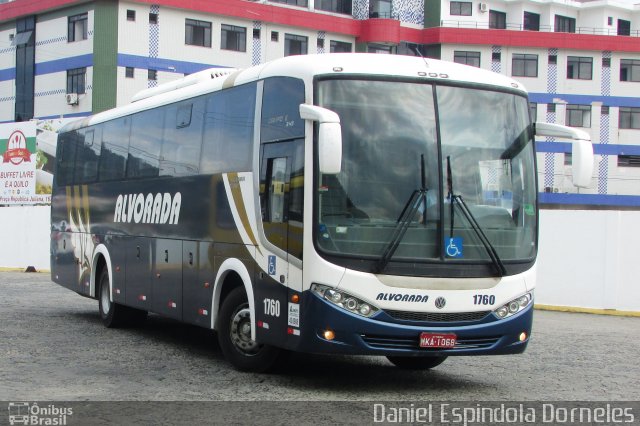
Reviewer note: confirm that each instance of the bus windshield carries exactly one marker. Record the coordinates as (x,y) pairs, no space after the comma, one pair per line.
(476,145)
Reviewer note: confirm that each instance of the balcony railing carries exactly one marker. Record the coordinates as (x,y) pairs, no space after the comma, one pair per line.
(543,28)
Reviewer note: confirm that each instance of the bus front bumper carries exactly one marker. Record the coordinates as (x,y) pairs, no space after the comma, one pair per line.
(354,334)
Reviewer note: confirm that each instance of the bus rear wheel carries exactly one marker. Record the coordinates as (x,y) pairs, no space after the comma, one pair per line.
(114,315)
(234,336)
(416,363)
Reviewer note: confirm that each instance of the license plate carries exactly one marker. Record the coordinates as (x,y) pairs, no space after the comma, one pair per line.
(438,340)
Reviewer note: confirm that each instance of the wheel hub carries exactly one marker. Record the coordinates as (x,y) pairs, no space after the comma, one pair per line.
(241,332)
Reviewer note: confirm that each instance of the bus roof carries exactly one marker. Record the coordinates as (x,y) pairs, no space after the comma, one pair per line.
(305,67)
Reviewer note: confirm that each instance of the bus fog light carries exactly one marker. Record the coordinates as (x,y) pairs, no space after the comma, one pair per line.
(523,336)
(329,334)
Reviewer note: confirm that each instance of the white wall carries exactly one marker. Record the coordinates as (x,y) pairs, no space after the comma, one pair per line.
(587,258)
(25,236)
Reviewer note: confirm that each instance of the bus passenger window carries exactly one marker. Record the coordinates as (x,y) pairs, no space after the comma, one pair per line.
(87,155)
(115,147)
(182,139)
(146,142)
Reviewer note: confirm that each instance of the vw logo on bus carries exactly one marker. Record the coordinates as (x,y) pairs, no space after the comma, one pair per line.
(440,302)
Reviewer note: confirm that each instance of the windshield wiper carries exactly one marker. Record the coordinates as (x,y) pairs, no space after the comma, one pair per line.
(491,251)
(408,214)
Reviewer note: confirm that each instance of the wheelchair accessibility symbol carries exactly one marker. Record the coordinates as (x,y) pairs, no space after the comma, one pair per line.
(272,265)
(453,246)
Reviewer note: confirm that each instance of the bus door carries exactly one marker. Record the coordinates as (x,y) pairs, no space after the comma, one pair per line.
(281,198)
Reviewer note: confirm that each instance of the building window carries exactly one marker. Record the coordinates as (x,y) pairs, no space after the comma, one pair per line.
(564,24)
(380,9)
(629,70)
(152,75)
(629,118)
(379,48)
(153,18)
(524,65)
(578,116)
(295,45)
(624,27)
(131,15)
(274,36)
(460,8)
(76,79)
(497,20)
(496,56)
(604,110)
(568,159)
(336,6)
(233,38)
(553,59)
(301,3)
(197,33)
(320,43)
(467,58)
(533,111)
(256,33)
(339,47)
(606,62)
(551,107)
(610,20)
(531,21)
(128,72)
(579,67)
(77,27)
(628,160)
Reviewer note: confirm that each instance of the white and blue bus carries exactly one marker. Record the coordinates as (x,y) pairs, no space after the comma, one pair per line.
(346,203)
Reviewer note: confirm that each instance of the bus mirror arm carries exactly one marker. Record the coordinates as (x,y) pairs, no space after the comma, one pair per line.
(329,137)
(581,150)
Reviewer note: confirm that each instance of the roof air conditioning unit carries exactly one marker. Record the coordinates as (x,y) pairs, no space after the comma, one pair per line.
(72,99)
(482,7)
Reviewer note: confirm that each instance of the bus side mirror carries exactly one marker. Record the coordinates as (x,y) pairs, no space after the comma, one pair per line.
(581,150)
(329,137)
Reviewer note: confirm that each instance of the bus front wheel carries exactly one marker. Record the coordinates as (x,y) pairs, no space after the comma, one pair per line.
(114,315)
(234,336)
(416,363)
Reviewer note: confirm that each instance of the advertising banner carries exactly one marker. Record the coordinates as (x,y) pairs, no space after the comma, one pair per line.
(27,161)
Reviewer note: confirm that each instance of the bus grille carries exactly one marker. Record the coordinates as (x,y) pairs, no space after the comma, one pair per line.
(438,316)
(413,343)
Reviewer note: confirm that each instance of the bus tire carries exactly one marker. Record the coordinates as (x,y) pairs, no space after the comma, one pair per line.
(417,362)
(114,315)
(234,336)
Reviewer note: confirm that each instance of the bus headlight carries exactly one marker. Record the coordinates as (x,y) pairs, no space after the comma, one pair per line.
(514,306)
(344,300)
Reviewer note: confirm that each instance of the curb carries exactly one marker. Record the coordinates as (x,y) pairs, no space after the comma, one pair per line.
(577,310)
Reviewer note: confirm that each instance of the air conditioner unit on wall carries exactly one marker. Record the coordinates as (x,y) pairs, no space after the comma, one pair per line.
(482,7)
(72,99)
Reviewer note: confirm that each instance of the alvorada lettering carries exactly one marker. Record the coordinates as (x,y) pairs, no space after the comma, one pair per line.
(399,297)
(150,208)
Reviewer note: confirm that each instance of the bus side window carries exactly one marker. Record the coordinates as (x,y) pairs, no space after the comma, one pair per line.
(182,139)
(66,158)
(87,155)
(228,130)
(281,101)
(115,147)
(146,142)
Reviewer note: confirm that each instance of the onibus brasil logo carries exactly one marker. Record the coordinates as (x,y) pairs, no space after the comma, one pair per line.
(24,413)
(17,151)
